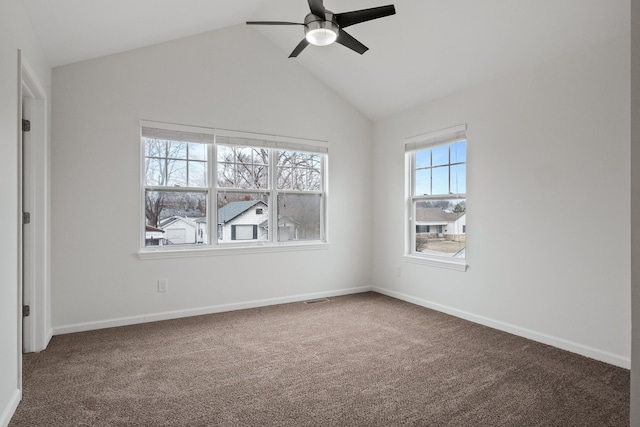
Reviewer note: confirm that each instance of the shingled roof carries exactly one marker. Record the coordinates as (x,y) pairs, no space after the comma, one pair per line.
(424,214)
(232,209)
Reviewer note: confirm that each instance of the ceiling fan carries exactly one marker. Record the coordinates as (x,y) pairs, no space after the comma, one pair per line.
(323,27)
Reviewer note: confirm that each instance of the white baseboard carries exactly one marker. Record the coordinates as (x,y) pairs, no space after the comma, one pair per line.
(47,338)
(10,408)
(593,353)
(154,317)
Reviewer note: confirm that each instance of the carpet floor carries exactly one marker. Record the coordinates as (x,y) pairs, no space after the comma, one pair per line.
(357,360)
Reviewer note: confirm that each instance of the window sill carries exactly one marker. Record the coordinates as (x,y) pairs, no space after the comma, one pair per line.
(438,262)
(191,252)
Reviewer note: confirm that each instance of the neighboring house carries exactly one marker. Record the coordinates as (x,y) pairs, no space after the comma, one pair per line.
(288,229)
(437,223)
(244,220)
(180,230)
(153,236)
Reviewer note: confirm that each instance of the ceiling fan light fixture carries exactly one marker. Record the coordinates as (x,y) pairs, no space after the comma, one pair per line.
(321,33)
(323,27)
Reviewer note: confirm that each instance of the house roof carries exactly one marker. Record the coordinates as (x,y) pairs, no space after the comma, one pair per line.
(424,214)
(233,209)
(152,228)
(168,221)
(183,213)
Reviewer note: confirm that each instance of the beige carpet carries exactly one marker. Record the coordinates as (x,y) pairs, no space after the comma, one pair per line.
(359,360)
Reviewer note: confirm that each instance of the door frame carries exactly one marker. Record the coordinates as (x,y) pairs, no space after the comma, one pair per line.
(37,332)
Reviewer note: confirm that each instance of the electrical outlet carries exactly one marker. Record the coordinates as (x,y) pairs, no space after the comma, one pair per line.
(398,271)
(163,285)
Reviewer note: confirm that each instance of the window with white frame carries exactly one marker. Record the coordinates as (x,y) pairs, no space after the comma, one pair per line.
(437,191)
(258,189)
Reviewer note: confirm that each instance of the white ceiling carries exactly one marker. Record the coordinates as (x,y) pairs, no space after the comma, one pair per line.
(429,49)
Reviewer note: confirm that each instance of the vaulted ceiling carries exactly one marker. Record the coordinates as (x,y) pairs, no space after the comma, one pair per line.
(429,49)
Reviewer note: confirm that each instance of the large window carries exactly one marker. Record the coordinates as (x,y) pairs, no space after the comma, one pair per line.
(254,189)
(437,190)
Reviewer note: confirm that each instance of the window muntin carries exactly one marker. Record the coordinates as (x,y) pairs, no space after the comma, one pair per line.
(175,163)
(437,195)
(441,170)
(299,171)
(257,187)
(242,166)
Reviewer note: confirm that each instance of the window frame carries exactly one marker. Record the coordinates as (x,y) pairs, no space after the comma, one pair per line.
(444,137)
(213,138)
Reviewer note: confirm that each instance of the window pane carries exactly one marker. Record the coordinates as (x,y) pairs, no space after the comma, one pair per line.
(155,147)
(175,218)
(313,180)
(197,151)
(176,173)
(154,171)
(423,182)
(299,171)
(423,158)
(239,211)
(197,174)
(299,217)
(226,174)
(167,165)
(459,179)
(242,167)
(441,227)
(177,150)
(260,177)
(225,153)
(459,152)
(440,155)
(260,156)
(440,180)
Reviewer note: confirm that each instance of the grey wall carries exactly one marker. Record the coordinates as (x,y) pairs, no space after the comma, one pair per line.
(548,204)
(635,211)
(206,80)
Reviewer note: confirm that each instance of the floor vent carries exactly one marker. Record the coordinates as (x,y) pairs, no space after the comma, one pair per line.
(315,301)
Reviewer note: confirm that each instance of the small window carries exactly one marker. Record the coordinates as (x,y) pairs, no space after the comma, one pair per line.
(437,207)
(259,211)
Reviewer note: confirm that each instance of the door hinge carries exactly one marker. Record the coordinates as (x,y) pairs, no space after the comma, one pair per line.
(26,218)
(26,311)
(26,125)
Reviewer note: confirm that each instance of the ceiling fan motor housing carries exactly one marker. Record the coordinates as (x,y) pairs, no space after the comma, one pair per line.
(321,32)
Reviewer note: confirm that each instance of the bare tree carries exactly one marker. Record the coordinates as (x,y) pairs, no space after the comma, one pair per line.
(299,171)
(167,164)
(242,167)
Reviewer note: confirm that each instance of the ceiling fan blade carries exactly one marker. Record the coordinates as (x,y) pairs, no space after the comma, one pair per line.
(358,16)
(304,43)
(317,8)
(348,41)
(272,23)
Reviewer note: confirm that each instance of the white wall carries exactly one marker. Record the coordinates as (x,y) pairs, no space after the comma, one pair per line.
(635,211)
(15,33)
(231,79)
(548,153)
